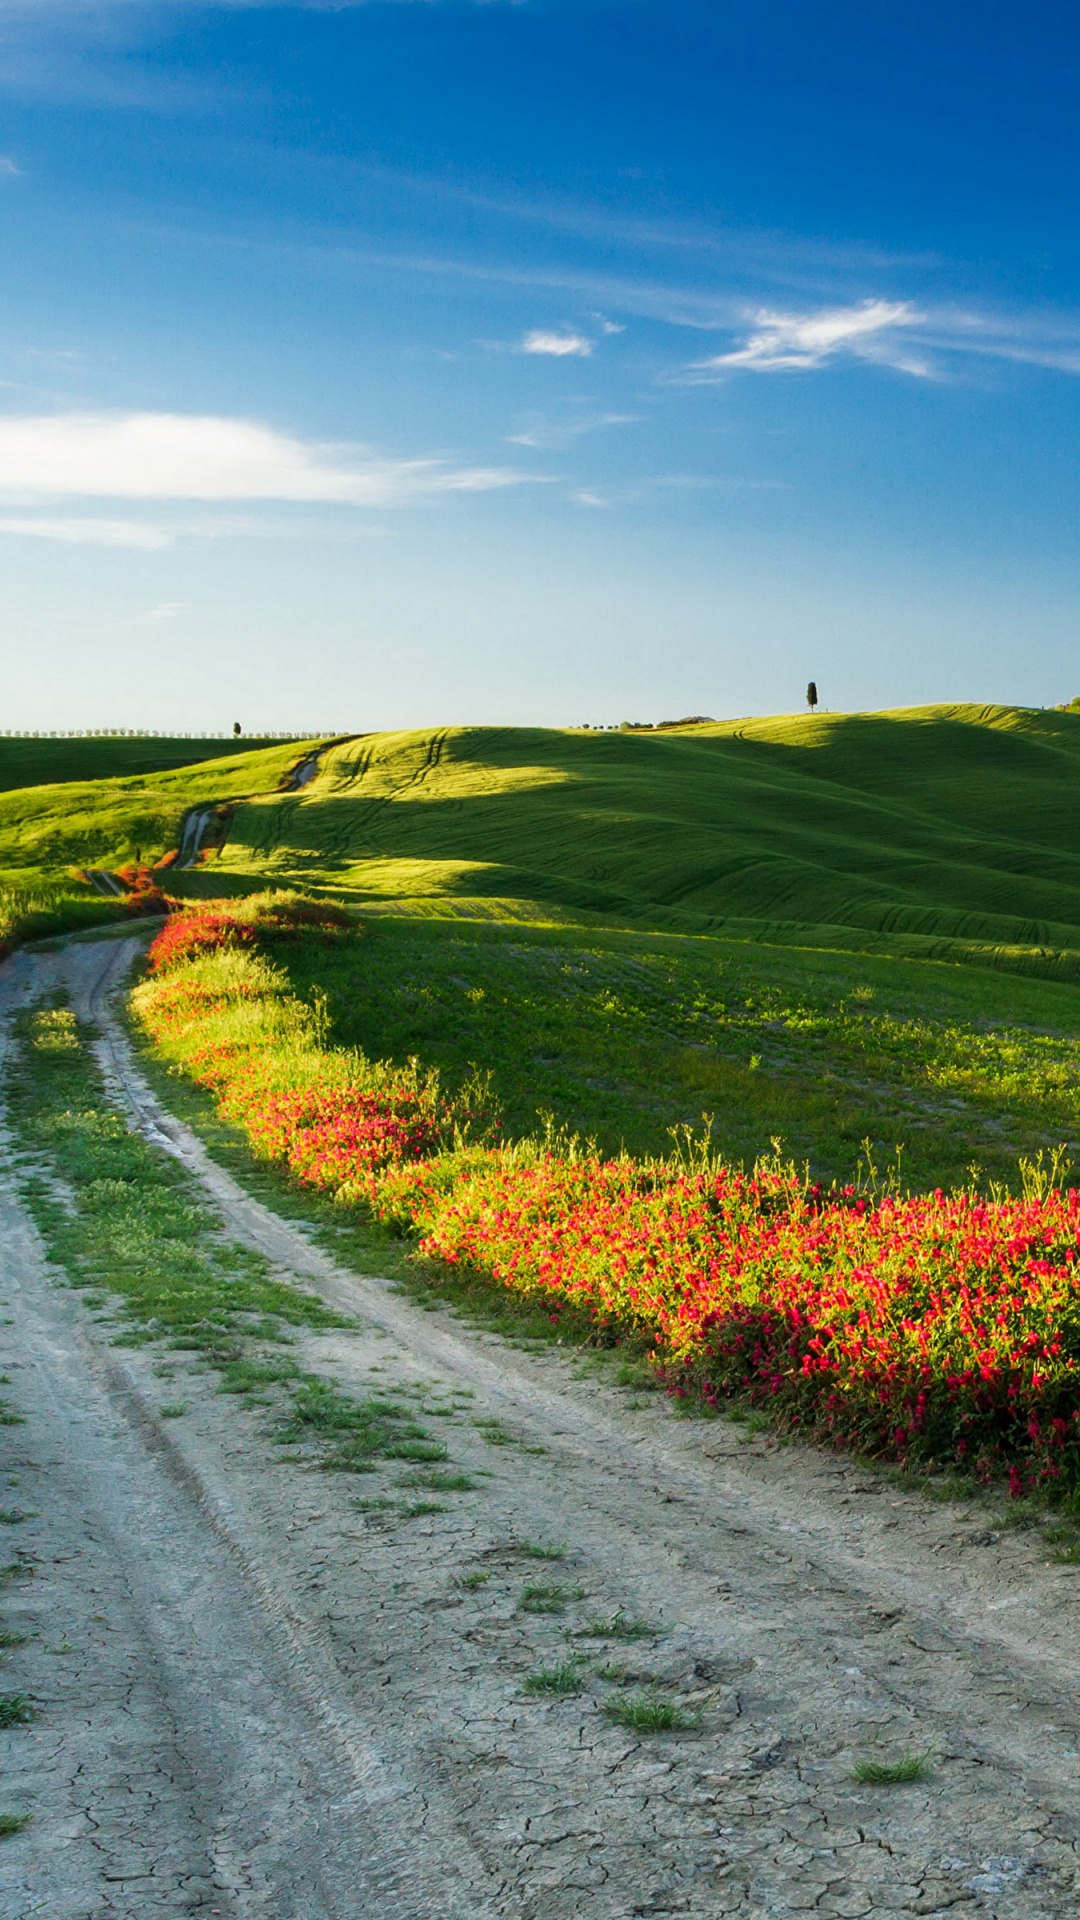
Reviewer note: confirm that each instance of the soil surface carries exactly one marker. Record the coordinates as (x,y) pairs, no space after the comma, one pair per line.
(260,1692)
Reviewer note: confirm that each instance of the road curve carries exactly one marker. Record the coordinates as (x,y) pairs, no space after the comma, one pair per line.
(282,1703)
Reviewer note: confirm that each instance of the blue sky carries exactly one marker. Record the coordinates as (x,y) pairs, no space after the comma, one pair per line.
(568,360)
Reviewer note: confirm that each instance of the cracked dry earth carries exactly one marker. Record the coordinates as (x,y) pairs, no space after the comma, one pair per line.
(260,1692)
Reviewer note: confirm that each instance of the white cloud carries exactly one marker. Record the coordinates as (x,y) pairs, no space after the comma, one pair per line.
(91,533)
(171,456)
(554,434)
(785,342)
(8,169)
(561,345)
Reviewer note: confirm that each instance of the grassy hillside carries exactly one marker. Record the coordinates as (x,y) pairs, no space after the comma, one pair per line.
(630,930)
(45,830)
(48,762)
(622,1036)
(947,832)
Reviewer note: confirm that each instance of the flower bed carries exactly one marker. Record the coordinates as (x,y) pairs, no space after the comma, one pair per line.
(932,1327)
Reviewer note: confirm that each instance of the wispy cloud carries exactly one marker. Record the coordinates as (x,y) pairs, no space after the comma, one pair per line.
(553,434)
(90,532)
(928,343)
(560,345)
(8,168)
(169,456)
(787,342)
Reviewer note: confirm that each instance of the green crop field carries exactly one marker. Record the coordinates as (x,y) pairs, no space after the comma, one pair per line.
(48,830)
(824,929)
(50,760)
(948,832)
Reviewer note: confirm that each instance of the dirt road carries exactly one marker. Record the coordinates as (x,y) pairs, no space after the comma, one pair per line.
(287,1693)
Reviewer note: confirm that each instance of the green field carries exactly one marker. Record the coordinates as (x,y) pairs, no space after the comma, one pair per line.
(49,830)
(50,760)
(823,929)
(949,832)
(622,1035)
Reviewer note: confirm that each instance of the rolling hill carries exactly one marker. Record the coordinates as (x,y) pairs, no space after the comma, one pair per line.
(630,928)
(54,760)
(948,832)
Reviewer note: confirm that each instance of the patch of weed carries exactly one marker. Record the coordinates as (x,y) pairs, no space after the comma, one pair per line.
(16,1709)
(540,1550)
(470,1582)
(135,1222)
(12,1823)
(251,1376)
(910,1768)
(14,1516)
(9,1638)
(564,1679)
(355,1432)
(620,1626)
(495,1433)
(449,1482)
(173,1409)
(648,1713)
(546,1598)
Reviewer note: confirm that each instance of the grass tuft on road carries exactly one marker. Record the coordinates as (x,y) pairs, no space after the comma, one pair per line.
(907,1771)
(126,1224)
(648,1713)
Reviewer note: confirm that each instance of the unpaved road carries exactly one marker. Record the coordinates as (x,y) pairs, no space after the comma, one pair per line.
(257,1697)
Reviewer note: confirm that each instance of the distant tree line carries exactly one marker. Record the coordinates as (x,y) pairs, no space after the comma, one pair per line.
(146,733)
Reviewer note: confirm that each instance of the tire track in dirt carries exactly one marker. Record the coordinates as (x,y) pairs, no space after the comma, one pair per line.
(806,1610)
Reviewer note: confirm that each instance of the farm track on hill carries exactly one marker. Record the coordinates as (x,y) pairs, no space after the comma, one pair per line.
(279,1702)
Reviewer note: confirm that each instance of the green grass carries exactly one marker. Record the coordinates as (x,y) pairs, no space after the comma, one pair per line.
(12,1823)
(906,831)
(46,829)
(620,1626)
(133,1228)
(747,920)
(546,1598)
(16,1709)
(786,924)
(138,1229)
(554,1681)
(355,1432)
(48,762)
(622,1036)
(451,1481)
(908,1770)
(648,1713)
(66,805)
(9,1638)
